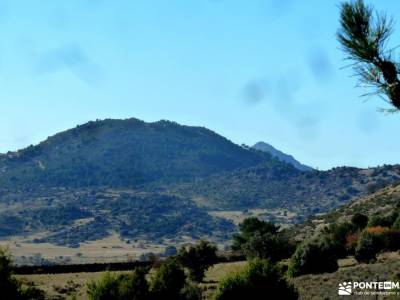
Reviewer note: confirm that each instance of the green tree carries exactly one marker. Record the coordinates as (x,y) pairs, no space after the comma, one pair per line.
(260,280)
(10,287)
(168,281)
(267,246)
(261,239)
(197,259)
(359,220)
(131,286)
(314,257)
(369,244)
(363,35)
(248,228)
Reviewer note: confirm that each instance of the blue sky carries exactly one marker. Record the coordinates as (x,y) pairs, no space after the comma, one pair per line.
(267,70)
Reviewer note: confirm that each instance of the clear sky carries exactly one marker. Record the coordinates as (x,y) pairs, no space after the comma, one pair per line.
(259,70)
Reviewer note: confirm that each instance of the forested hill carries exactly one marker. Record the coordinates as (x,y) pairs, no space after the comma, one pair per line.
(304,193)
(126,153)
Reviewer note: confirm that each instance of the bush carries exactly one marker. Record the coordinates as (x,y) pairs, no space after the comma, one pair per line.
(259,280)
(267,246)
(260,239)
(391,240)
(385,221)
(168,281)
(120,287)
(11,288)
(369,244)
(359,220)
(197,259)
(248,228)
(191,291)
(314,257)
(338,235)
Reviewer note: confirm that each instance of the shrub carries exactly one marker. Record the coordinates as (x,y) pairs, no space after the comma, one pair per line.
(11,288)
(260,239)
(314,257)
(376,229)
(248,228)
(168,281)
(351,242)
(197,259)
(359,220)
(267,246)
(259,280)
(191,291)
(120,287)
(384,221)
(391,240)
(369,244)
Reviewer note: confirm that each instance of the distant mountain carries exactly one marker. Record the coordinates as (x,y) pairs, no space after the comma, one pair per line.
(125,153)
(160,181)
(281,156)
(108,176)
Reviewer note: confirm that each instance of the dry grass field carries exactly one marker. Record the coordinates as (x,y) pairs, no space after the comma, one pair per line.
(310,287)
(109,249)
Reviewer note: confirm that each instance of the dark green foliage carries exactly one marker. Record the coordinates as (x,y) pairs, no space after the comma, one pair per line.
(384,221)
(249,227)
(314,257)
(168,281)
(131,286)
(260,280)
(11,288)
(191,291)
(197,259)
(337,235)
(261,239)
(268,246)
(369,244)
(396,224)
(391,240)
(359,220)
(364,35)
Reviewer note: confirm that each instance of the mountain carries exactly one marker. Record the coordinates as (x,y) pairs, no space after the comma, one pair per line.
(160,181)
(125,153)
(107,176)
(281,156)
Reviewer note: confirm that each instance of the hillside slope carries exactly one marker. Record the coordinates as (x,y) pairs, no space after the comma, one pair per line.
(301,193)
(125,153)
(160,181)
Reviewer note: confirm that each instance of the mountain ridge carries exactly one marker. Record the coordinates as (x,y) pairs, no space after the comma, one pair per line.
(262,146)
(105,176)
